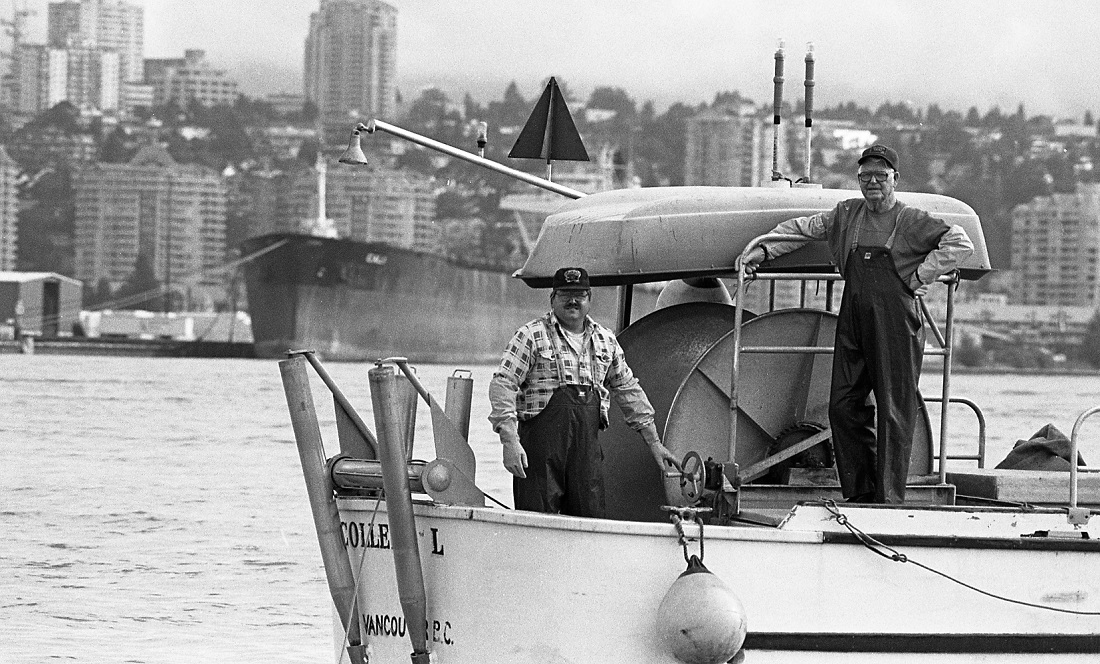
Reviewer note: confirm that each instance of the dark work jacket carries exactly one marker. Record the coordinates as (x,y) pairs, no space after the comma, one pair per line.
(922,245)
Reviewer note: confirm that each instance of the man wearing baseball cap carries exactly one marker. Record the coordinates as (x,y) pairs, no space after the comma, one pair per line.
(550,397)
(889,254)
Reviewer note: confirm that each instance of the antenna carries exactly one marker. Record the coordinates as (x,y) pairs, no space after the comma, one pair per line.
(482,137)
(777,109)
(809,106)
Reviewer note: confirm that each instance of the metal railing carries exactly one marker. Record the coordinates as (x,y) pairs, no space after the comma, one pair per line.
(1073,454)
(943,339)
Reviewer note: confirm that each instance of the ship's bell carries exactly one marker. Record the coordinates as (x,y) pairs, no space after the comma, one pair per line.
(354,154)
(700,620)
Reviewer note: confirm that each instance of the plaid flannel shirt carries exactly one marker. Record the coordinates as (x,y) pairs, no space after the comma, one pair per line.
(532,366)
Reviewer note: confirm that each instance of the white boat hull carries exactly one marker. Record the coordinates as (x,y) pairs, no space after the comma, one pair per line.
(523,587)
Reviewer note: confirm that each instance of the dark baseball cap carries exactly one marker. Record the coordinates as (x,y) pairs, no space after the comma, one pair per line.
(571,278)
(879,151)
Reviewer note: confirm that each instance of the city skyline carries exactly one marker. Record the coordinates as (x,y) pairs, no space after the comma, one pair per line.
(957,55)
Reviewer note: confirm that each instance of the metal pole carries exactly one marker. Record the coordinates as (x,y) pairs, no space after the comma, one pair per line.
(459,399)
(322,501)
(379,125)
(738,313)
(342,400)
(626,301)
(168,252)
(1073,454)
(399,510)
(809,107)
(948,332)
(777,107)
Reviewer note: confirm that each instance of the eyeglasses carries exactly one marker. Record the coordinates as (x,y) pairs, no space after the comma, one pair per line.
(572,295)
(877,176)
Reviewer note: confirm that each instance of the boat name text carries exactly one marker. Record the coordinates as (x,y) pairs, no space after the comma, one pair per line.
(387,625)
(359,534)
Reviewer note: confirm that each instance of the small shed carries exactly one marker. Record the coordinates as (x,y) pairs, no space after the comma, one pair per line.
(43,304)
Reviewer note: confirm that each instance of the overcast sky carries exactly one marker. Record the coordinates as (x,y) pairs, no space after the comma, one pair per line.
(960,53)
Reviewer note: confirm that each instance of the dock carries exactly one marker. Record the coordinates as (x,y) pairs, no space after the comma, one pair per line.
(129,347)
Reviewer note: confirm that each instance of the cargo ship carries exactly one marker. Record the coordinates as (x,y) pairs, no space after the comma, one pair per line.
(353,301)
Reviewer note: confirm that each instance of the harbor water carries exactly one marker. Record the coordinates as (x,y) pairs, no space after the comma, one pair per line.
(153,510)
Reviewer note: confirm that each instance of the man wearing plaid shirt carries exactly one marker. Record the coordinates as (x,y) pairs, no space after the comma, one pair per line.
(550,398)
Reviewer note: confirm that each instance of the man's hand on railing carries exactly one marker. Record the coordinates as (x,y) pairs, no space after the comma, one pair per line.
(756,256)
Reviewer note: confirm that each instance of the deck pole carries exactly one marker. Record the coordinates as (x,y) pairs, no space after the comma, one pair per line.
(948,340)
(399,509)
(322,501)
(459,399)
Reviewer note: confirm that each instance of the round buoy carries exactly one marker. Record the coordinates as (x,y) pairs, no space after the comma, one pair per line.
(700,620)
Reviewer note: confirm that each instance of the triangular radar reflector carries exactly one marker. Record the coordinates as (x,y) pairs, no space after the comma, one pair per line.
(550,133)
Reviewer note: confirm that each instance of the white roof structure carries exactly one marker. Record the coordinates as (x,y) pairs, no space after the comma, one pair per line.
(24,277)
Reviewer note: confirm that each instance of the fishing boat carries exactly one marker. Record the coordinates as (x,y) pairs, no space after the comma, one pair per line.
(746,552)
(739,396)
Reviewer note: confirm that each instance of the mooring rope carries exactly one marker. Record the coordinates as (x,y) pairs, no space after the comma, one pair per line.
(493,499)
(876,546)
(352,614)
(362,559)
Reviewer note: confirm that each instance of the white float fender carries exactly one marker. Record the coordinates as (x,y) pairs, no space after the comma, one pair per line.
(701,620)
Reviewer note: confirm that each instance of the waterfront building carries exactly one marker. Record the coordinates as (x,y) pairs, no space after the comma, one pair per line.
(993,316)
(351,63)
(107,25)
(173,215)
(369,204)
(1055,247)
(38,78)
(189,78)
(43,304)
(136,95)
(9,210)
(35,146)
(281,141)
(286,103)
(730,145)
(93,49)
(255,199)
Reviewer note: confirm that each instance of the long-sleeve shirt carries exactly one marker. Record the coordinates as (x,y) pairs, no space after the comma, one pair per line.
(924,247)
(536,363)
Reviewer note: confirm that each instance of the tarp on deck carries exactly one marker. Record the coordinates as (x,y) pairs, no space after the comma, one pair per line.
(1047,449)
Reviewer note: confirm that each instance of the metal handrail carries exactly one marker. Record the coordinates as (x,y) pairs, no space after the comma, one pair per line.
(945,340)
(1073,454)
(980,456)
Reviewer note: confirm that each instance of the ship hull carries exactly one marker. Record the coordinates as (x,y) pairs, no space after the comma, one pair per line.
(354,301)
(517,586)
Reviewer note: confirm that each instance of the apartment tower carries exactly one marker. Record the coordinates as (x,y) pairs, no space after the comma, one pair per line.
(351,64)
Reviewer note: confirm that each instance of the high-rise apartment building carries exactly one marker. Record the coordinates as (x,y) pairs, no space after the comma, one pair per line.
(372,204)
(112,25)
(94,49)
(189,78)
(1055,247)
(85,77)
(731,146)
(9,210)
(351,63)
(172,214)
